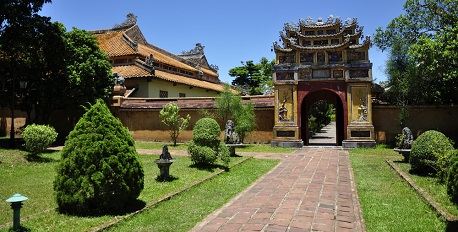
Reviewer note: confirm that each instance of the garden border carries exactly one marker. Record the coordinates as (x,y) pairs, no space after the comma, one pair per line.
(451,221)
(167,197)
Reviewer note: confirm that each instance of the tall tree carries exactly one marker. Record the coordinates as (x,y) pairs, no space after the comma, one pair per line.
(21,29)
(422,47)
(44,68)
(251,78)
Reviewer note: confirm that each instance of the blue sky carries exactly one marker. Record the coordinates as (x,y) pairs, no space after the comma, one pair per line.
(231,31)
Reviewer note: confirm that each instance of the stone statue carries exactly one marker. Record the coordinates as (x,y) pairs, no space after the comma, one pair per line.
(165,153)
(283,112)
(406,139)
(119,80)
(150,60)
(362,111)
(231,137)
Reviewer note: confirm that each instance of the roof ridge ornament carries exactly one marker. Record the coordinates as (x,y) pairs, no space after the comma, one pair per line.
(197,50)
(130,20)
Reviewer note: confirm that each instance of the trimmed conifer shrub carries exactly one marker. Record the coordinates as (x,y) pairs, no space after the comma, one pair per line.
(427,149)
(38,137)
(99,171)
(206,147)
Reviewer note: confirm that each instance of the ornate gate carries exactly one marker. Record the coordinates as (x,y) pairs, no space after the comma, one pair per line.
(323,60)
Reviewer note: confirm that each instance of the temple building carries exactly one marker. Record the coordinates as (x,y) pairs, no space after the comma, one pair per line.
(151,72)
(323,60)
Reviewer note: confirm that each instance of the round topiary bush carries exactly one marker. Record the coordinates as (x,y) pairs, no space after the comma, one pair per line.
(427,149)
(38,137)
(99,171)
(206,147)
(452,180)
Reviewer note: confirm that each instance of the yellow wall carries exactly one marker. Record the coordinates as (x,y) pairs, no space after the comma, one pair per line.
(150,89)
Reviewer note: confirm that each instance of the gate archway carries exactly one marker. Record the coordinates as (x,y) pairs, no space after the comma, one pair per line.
(323,60)
(330,97)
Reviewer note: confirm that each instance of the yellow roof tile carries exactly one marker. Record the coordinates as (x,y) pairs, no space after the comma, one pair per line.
(113,44)
(129,71)
(189,81)
(163,58)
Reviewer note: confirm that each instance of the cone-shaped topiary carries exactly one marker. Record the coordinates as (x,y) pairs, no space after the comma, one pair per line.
(99,170)
(427,149)
(205,147)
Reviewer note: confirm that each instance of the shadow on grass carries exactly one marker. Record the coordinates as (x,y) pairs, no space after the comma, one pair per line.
(20,229)
(401,161)
(209,167)
(452,226)
(167,179)
(130,207)
(39,159)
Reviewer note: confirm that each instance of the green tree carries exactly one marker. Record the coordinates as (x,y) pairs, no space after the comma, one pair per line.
(170,116)
(44,68)
(422,47)
(245,121)
(253,79)
(99,170)
(227,104)
(22,31)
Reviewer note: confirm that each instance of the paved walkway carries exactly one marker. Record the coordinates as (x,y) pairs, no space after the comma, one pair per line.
(327,135)
(311,190)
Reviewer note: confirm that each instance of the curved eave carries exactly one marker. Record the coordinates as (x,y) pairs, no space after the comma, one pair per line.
(365,45)
(277,48)
(343,45)
(326,36)
(324,25)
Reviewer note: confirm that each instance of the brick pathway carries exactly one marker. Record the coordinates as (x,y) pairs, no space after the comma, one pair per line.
(311,190)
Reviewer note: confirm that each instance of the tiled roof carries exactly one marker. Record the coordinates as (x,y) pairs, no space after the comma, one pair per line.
(113,44)
(188,81)
(129,71)
(136,70)
(209,72)
(162,58)
(263,102)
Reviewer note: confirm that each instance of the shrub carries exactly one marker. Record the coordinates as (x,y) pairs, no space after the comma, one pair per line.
(205,147)
(444,162)
(427,149)
(99,170)
(452,179)
(38,137)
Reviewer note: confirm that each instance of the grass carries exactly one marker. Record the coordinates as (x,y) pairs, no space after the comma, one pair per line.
(263,148)
(183,212)
(158,146)
(34,179)
(435,189)
(387,202)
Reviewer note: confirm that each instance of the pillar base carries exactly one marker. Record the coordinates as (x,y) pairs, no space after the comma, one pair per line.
(358,143)
(287,143)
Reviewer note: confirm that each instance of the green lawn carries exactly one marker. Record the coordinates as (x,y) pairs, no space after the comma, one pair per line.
(157,145)
(388,203)
(435,189)
(264,148)
(183,212)
(34,180)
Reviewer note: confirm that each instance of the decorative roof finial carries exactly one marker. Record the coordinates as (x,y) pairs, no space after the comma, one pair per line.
(197,50)
(131,20)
